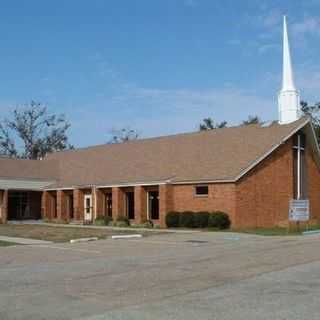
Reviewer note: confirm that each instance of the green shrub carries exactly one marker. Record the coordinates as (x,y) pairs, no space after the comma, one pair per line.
(121,224)
(148,224)
(219,220)
(123,219)
(102,220)
(172,219)
(99,221)
(107,220)
(200,219)
(186,219)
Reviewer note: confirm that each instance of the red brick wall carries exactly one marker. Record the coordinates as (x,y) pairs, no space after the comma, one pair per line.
(166,200)
(140,204)
(313,186)
(118,209)
(3,206)
(221,197)
(263,194)
(78,205)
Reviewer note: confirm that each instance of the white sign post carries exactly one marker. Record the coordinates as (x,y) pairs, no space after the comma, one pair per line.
(299,211)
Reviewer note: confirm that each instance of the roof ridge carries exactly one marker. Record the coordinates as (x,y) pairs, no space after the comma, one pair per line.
(161,137)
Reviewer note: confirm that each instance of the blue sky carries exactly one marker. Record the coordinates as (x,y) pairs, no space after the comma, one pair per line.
(157,66)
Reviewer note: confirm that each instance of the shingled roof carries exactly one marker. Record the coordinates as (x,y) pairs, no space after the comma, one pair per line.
(216,155)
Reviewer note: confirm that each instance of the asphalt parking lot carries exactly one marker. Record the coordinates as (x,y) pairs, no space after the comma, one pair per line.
(167,276)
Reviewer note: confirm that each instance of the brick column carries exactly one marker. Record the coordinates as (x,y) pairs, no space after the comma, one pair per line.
(45,205)
(165,202)
(99,198)
(78,206)
(117,203)
(4,206)
(61,206)
(140,204)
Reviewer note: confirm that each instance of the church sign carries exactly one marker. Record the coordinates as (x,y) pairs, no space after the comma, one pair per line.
(299,210)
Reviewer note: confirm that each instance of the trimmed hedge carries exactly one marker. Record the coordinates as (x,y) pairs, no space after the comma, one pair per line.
(186,219)
(202,219)
(219,220)
(173,219)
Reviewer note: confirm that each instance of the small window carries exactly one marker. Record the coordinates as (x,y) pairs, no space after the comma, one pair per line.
(201,190)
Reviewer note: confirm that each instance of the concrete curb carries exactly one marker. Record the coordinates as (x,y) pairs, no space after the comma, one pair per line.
(126,236)
(311,232)
(83,240)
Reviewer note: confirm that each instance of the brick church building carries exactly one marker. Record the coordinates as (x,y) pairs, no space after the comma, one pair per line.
(250,172)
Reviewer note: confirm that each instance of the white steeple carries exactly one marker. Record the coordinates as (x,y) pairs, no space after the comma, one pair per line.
(289,98)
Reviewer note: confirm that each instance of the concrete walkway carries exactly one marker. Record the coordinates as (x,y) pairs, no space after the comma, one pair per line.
(23,240)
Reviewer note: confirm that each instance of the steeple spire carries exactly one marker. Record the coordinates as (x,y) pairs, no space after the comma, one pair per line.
(287,76)
(289,98)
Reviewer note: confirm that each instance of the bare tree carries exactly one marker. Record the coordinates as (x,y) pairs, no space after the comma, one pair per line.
(123,135)
(31,132)
(313,111)
(209,124)
(252,120)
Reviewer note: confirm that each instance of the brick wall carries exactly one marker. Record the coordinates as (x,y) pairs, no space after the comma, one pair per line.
(140,204)
(3,206)
(221,197)
(118,209)
(166,202)
(262,195)
(313,186)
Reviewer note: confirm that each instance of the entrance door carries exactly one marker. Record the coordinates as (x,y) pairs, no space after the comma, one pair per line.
(153,213)
(130,204)
(88,207)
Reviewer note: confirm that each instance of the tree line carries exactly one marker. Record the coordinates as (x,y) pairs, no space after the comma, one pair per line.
(31,132)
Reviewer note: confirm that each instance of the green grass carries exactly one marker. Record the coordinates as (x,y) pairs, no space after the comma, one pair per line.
(6,243)
(277,231)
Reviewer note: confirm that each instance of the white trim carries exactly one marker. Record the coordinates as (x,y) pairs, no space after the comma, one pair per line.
(127,184)
(134,184)
(203,181)
(298,168)
(60,189)
(87,196)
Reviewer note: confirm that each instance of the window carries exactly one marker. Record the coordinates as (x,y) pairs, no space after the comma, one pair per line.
(201,190)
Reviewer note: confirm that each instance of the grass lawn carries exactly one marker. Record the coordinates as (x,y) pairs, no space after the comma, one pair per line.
(57,234)
(277,231)
(6,244)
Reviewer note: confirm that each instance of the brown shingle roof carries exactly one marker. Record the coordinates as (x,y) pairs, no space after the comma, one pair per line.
(220,154)
(28,169)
